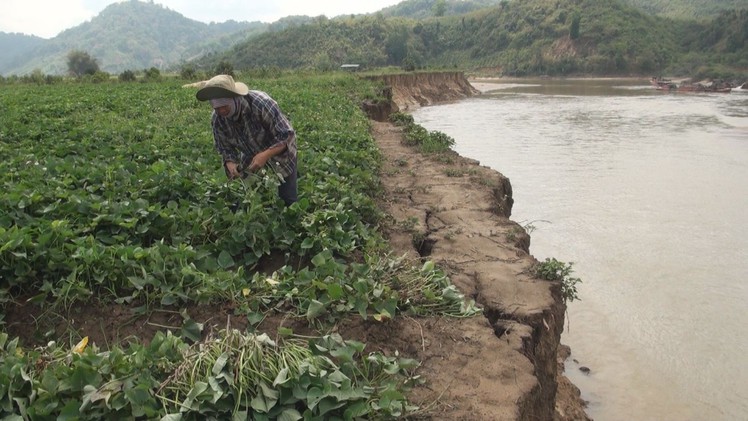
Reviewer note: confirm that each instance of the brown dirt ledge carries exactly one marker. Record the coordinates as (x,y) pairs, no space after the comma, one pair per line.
(507,365)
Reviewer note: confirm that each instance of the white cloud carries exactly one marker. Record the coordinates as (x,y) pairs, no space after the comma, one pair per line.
(270,11)
(42,18)
(47,18)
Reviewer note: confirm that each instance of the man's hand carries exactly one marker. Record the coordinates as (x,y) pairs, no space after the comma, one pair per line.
(232,169)
(258,161)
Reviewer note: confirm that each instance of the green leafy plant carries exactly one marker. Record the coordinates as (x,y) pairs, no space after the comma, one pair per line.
(416,135)
(229,375)
(401,119)
(554,270)
(134,212)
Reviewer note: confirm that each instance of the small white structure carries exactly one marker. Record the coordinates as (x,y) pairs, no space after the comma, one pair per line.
(350,67)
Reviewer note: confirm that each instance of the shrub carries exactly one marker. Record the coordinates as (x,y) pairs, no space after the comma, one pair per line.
(36,77)
(127,76)
(554,270)
(224,68)
(100,76)
(152,74)
(401,119)
(50,79)
(81,63)
(188,72)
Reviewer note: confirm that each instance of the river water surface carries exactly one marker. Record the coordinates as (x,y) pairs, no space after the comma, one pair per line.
(647,194)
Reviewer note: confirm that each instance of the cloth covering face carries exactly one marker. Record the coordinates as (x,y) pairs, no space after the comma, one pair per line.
(232,103)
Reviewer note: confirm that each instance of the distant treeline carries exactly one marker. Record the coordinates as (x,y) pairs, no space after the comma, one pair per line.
(687,9)
(537,37)
(697,38)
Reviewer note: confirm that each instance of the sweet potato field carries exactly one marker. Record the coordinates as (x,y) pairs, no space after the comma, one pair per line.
(136,282)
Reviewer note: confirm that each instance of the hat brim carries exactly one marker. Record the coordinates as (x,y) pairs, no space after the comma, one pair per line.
(214,92)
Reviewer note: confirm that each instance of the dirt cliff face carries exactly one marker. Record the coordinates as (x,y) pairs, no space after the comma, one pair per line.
(412,90)
(452,210)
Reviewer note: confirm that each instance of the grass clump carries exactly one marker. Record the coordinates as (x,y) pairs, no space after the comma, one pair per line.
(416,135)
(554,270)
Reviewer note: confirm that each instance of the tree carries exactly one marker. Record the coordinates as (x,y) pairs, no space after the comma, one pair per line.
(37,76)
(81,63)
(439,8)
(409,64)
(127,76)
(99,77)
(188,72)
(224,67)
(152,74)
(396,45)
(574,30)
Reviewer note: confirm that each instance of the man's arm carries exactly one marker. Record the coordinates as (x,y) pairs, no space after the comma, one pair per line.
(223,146)
(259,160)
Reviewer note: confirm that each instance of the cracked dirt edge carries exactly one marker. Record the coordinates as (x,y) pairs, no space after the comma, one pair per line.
(506,365)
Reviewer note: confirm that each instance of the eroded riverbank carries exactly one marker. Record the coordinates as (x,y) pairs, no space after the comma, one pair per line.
(508,365)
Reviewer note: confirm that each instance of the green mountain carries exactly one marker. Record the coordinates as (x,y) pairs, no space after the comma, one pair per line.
(681,9)
(134,35)
(422,9)
(554,37)
(516,37)
(687,9)
(14,47)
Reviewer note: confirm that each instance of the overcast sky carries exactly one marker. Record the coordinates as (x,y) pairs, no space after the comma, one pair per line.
(47,18)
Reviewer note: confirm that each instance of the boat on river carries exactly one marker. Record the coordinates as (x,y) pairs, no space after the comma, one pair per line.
(706,86)
(742,89)
(663,84)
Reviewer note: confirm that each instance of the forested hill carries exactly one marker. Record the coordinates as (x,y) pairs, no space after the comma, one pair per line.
(688,9)
(553,37)
(421,9)
(132,35)
(682,9)
(514,37)
(13,46)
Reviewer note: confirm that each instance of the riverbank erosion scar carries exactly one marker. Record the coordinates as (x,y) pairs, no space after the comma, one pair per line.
(452,210)
(413,90)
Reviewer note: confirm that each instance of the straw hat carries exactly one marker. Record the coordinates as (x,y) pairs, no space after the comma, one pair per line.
(221,86)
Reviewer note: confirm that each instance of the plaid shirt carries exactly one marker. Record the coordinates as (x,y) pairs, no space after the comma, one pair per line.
(258,125)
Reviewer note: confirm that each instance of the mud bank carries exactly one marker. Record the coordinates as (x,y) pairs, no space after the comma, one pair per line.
(412,90)
(507,365)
